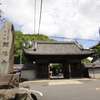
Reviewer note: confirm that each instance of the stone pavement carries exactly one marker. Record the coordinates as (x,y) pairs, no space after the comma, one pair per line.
(61,81)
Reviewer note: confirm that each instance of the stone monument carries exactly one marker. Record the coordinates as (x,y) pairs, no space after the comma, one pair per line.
(7,35)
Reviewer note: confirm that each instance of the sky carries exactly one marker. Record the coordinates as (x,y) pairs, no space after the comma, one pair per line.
(60,18)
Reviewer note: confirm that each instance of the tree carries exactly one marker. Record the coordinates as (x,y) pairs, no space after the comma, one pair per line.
(97,54)
(56,68)
(81,45)
(86,60)
(23,41)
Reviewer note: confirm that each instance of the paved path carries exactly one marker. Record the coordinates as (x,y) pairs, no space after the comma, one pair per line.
(74,89)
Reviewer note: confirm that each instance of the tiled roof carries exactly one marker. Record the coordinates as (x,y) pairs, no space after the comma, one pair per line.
(19,67)
(57,48)
(91,65)
(93,47)
(29,67)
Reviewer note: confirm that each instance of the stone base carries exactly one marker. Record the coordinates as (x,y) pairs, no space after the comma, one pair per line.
(9,81)
(17,94)
(8,94)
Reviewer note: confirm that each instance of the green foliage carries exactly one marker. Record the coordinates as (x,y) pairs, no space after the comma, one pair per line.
(86,61)
(81,45)
(57,66)
(97,54)
(23,41)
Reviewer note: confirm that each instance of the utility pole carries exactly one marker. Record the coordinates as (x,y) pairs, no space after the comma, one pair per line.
(20,58)
(1,19)
(99,31)
(0,10)
(35,17)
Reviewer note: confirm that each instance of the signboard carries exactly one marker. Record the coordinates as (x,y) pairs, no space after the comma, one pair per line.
(6,48)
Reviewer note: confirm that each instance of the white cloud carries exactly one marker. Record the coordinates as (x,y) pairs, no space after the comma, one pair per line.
(69,18)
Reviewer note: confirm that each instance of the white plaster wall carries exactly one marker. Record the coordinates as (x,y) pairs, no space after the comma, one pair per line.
(29,74)
(94,73)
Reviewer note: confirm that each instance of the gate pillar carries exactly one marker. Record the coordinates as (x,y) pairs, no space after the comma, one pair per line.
(43,70)
(66,70)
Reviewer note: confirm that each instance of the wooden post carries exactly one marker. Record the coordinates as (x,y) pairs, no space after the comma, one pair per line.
(48,71)
(81,70)
(69,68)
(36,70)
(66,70)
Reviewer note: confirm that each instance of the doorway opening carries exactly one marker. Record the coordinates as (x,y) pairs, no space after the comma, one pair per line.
(56,71)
